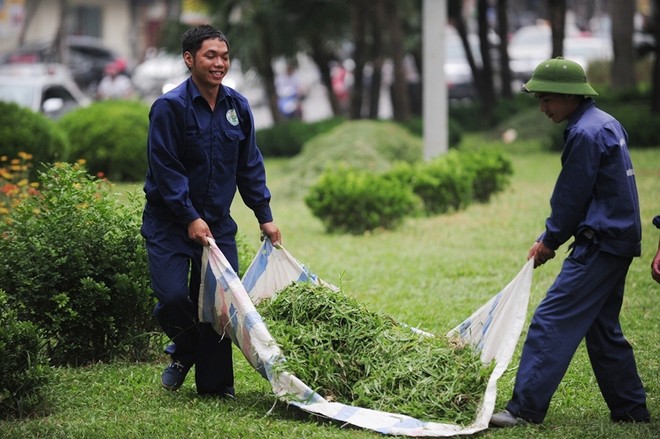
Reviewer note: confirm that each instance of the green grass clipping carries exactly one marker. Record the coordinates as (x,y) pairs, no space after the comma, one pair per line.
(349,354)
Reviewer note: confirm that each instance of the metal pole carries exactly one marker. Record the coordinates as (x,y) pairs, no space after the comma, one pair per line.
(434,13)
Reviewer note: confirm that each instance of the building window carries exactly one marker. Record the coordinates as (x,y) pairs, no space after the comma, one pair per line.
(86,20)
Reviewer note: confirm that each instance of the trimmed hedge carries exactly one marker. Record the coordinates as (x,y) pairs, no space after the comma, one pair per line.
(357,200)
(23,130)
(111,136)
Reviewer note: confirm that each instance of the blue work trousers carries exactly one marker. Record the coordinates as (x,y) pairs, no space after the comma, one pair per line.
(175,269)
(584,302)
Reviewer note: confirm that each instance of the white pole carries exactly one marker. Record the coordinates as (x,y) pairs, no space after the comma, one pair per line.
(434,13)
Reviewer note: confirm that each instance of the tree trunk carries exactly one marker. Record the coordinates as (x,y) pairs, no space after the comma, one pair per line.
(262,62)
(502,32)
(557,10)
(623,72)
(376,14)
(323,60)
(358,24)
(487,87)
(461,28)
(400,101)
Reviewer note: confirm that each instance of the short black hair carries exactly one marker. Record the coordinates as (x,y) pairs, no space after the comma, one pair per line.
(193,38)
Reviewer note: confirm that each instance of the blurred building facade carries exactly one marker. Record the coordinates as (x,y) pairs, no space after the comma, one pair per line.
(129,27)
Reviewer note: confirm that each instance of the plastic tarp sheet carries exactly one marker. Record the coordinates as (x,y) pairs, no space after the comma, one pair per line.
(228,303)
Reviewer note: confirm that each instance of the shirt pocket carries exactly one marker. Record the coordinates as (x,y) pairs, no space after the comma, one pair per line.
(230,142)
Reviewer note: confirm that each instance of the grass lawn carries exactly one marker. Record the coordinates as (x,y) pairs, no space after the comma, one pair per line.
(431,273)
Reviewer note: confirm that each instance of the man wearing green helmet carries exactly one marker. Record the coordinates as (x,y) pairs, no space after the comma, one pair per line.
(594,202)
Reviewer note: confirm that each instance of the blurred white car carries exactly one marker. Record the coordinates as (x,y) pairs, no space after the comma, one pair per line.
(46,88)
(153,73)
(87,58)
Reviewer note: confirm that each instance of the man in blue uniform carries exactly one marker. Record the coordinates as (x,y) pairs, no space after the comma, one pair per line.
(201,148)
(594,202)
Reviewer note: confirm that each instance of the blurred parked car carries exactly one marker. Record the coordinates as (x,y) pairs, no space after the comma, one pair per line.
(46,88)
(153,73)
(87,59)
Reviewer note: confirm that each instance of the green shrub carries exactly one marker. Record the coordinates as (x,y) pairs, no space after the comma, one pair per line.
(364,144)
(24,370)
(287,139)
(454,190)
(491,172)
(73,260)
(443,184)
(356,201)
(24,131)
(111,136)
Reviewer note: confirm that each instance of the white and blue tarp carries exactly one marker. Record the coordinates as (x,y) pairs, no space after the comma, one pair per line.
(228,303)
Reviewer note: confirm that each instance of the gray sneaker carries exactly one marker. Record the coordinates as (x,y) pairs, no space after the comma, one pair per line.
(506,419)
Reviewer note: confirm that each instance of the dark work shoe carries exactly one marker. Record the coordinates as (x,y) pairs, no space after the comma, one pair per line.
(506,419)
(174,375)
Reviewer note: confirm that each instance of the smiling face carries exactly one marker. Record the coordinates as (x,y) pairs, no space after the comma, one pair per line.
(210,64)
(558,107)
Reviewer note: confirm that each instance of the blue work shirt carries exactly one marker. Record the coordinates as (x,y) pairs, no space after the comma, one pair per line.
(596,188)
(198,157)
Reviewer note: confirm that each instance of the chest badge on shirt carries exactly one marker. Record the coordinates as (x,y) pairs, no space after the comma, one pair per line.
(232,117)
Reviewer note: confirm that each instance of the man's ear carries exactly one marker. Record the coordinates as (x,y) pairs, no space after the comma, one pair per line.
(188,59)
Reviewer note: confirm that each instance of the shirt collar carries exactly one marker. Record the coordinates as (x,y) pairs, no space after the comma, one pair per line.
(579,111)
(194,91)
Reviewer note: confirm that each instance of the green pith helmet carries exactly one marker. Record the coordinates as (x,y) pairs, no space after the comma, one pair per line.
(559,75)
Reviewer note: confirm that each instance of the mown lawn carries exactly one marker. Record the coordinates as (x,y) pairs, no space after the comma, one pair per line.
(431,273)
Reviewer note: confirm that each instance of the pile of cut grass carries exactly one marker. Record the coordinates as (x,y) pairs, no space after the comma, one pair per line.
(349,354)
